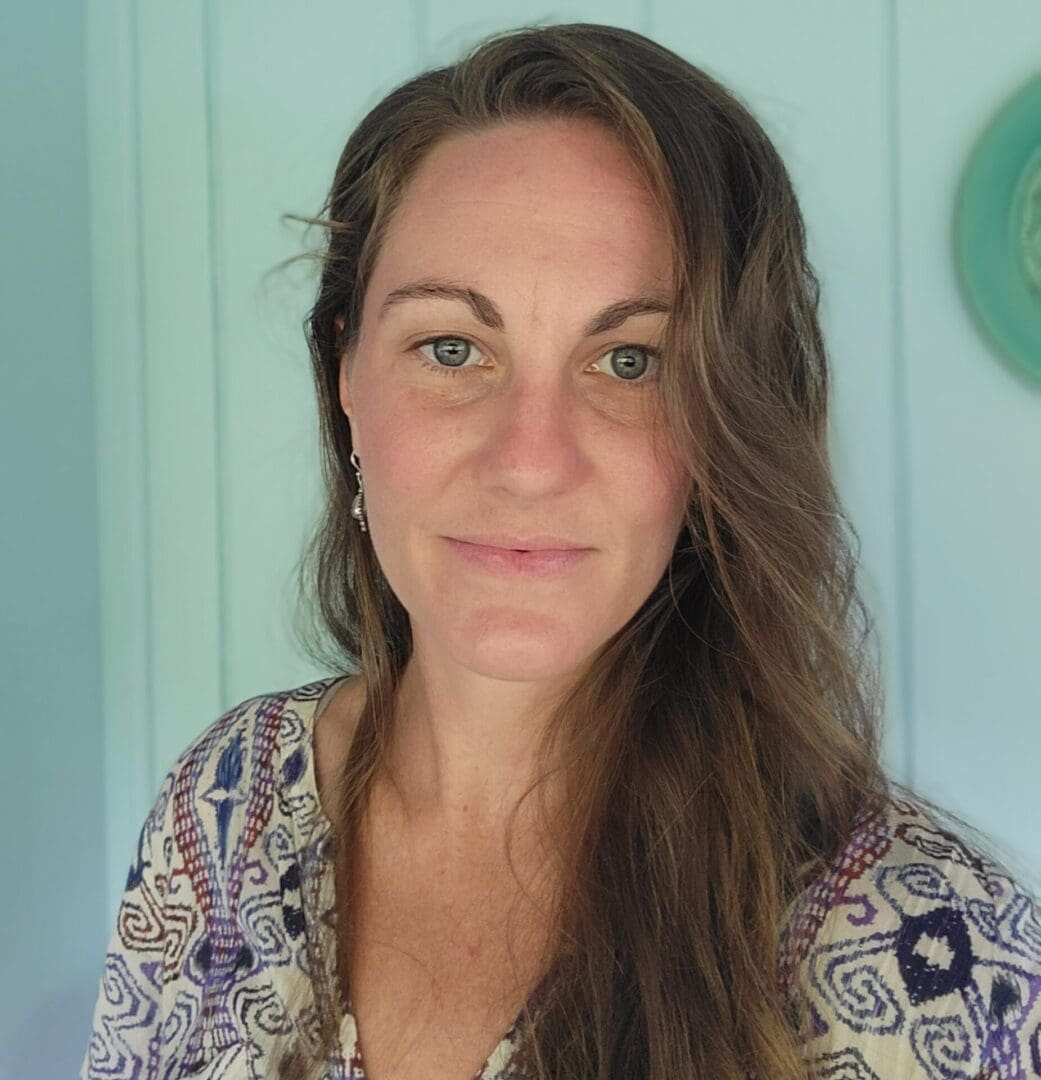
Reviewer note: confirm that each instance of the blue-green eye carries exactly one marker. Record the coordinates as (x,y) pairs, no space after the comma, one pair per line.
(631,361)
(628,363)
(454,354)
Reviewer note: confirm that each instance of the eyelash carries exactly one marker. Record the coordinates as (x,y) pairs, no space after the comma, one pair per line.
(440,369)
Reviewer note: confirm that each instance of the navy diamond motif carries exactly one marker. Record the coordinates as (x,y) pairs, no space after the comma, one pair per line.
(926,979)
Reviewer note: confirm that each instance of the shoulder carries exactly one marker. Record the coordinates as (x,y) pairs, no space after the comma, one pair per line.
(255,728)
(250,751)
(915,954)
(247,775)
(213,897)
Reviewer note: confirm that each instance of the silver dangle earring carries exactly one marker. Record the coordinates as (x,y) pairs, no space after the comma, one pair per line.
(357,509)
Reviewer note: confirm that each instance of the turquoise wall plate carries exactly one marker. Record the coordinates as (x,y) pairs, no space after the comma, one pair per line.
(998,229)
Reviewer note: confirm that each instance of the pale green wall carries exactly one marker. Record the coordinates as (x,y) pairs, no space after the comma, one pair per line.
(52,853)
(157,405)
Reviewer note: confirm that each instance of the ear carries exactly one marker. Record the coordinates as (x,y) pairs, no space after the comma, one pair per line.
(343,384)
(344,389)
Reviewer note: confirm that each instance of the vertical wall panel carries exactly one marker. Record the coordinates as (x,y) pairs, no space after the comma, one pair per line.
(974,442)
(280,116)
(178,357)
(119,396)
(453,26)
(52,793)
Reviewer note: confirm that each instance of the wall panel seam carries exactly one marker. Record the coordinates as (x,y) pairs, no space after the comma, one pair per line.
(903,527)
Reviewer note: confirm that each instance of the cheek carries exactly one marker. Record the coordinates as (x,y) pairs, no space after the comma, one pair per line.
(399,473)
(655,480)
(406,461)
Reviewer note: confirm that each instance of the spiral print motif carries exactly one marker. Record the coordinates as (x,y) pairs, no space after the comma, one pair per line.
(911,956)
(855,989)
(846,1064)
(944,1046)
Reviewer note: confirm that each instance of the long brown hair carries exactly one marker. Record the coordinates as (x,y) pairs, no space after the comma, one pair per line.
(728,735)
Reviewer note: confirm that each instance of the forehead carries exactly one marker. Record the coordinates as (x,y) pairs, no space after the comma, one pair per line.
(532,200)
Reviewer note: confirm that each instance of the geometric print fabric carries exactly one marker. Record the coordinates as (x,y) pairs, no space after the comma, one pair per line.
(912,956)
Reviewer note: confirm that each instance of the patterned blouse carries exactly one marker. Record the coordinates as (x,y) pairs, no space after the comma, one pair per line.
(921,959)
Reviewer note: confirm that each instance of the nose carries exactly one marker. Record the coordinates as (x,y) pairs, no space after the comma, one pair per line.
(533,437)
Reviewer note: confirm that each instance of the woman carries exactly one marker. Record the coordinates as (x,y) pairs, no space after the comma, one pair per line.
(602,796)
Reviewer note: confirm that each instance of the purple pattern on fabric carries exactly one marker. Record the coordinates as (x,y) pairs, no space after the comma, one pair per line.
(912,956)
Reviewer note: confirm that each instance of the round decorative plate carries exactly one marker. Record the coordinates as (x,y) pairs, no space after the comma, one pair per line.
(998,229)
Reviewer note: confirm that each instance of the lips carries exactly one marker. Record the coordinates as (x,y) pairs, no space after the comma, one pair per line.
(522,541)
(533,563)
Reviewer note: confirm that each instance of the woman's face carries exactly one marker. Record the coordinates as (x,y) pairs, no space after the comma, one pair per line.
(519,421)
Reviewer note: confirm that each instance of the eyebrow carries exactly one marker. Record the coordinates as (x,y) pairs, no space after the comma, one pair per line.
(485,311)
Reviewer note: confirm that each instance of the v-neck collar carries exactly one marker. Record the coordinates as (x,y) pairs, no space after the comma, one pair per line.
(318,884)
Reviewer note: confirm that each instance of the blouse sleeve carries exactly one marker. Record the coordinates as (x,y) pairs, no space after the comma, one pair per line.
(1011,929)
(923,960)
(126,1035)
